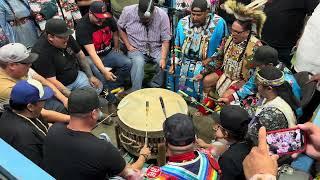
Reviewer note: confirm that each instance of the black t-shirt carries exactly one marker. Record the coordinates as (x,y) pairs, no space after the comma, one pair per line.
(99,36)
(79,155)
(23,135)
(231,161)
(285,21)
(55,62)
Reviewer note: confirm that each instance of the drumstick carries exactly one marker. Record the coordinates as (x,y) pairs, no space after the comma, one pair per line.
(163,107)
(103,120)
(193,100)
(147,114)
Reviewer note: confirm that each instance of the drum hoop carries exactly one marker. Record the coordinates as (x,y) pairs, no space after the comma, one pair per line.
(151,134)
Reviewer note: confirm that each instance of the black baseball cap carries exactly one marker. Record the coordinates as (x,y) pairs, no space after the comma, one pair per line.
(265,55)
(234,119)
(143,7)
(99,9)
(179,130)
(84,100)
(58,27)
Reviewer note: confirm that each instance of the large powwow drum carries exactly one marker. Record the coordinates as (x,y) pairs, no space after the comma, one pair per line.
(135,124)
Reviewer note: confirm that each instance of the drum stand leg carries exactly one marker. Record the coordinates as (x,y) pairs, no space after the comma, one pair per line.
(161,159)
(116,129)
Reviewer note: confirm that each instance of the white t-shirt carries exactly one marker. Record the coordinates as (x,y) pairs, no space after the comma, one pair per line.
(308,52)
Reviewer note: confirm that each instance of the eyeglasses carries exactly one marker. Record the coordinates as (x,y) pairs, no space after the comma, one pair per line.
(237,32)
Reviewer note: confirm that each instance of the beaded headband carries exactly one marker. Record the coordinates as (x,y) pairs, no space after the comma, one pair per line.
(266,82)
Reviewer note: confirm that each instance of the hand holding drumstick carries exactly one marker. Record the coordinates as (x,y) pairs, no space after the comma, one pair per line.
(144,154)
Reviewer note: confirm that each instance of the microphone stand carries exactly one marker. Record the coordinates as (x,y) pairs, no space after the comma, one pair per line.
(174,17)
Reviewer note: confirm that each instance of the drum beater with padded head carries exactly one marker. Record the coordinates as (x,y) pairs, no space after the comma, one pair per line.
(163,107)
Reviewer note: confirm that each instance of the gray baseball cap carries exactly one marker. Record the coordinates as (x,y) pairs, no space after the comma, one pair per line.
(16,53)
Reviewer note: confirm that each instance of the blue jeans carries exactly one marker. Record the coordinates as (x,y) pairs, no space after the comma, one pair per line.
(137,70)
(120,65)
(82,81)
(55,105)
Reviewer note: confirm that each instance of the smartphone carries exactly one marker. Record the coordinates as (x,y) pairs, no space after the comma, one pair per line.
(286,141)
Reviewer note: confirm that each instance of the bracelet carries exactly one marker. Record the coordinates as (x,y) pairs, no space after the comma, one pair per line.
(145,156)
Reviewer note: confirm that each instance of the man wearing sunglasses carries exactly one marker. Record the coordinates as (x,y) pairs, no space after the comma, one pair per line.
(97,33)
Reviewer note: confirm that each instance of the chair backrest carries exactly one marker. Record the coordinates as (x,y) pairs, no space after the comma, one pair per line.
(307,89)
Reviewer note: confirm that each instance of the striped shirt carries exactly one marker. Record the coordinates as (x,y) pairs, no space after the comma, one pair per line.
(142,37)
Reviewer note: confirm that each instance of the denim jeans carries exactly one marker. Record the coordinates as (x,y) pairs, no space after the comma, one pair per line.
(82,81)
(55,105)
(137,71)
(120,65)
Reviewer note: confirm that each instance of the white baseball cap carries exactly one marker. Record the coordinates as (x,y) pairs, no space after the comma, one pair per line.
(16,53)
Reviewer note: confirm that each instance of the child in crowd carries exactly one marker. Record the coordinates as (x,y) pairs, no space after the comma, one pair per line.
(230,145)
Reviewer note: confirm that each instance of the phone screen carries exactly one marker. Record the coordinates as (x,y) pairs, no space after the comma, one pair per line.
(286,141)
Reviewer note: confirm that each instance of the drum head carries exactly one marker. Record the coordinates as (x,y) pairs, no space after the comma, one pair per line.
(132,108)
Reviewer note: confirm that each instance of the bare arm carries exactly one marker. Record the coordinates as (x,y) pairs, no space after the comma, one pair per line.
(165,49)
(115,37)
(84,64)
(57,93)
(94,57)
(98,62)
(124,38)
(53,116)
(138,165)
(143,157)
(132,171)
(164,53)
(64,90)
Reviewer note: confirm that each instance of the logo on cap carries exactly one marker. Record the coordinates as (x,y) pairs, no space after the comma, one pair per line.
(103,9)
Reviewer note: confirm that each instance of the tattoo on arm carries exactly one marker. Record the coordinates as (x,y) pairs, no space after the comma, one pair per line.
(84,64)
(65,91)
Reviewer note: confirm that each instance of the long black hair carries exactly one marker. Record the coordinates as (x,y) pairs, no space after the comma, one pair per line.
(284,90)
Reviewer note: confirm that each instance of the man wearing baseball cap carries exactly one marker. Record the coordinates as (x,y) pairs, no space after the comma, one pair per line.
(183,161)
(84,155)
(15,62)
(233,126)
(21,125)
(264,56)
(61,60)
(97,33)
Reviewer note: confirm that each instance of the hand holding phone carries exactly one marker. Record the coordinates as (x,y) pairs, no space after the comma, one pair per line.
(286,141)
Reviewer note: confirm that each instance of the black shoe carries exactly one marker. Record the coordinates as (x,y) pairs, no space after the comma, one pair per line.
(111,98)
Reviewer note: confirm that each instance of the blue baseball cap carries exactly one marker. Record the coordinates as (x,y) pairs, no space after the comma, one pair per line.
(30,91)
